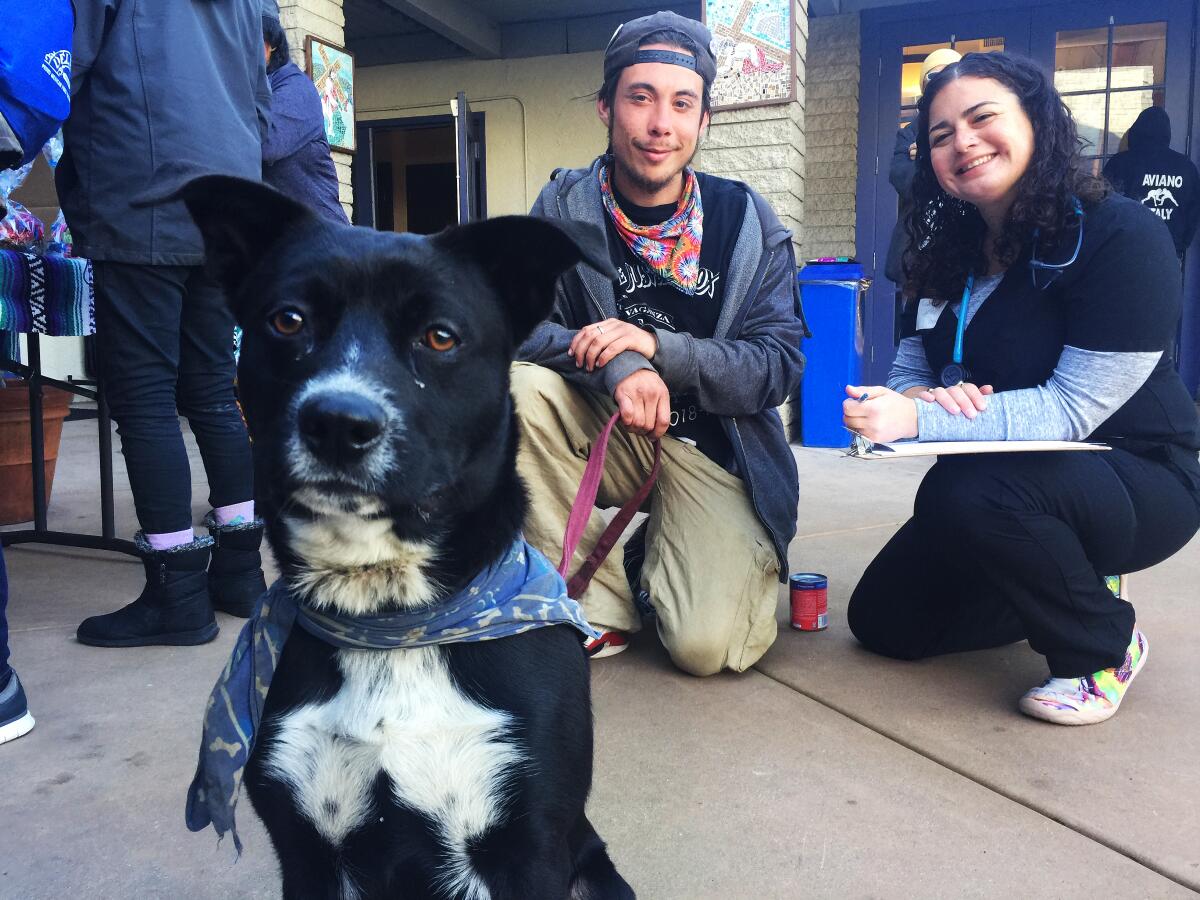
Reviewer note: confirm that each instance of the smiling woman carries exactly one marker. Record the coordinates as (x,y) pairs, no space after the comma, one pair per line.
(1069,299)
(980,185)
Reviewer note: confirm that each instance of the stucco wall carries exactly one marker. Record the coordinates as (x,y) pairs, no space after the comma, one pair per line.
(831,126)
(536,114)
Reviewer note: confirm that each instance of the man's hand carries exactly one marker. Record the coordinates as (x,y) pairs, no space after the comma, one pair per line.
(884,416)
(645,403)
(595,345)
(912,150)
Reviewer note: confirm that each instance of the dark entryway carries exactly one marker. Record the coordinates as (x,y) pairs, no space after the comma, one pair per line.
(409,173)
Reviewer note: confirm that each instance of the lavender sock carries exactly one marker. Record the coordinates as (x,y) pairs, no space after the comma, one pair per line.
(235,513)
(174,539)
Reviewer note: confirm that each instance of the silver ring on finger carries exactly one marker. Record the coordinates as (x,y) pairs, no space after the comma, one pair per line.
(599,330)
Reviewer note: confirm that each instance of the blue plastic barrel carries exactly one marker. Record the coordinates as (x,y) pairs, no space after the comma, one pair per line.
(833,308)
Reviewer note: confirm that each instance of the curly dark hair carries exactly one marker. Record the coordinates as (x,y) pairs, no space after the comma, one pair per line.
(946,235)
(276,38)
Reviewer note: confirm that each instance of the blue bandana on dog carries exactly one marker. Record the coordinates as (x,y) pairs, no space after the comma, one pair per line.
(519,592)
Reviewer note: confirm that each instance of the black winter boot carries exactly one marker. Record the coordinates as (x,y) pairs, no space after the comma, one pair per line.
(235,576)
(173,608)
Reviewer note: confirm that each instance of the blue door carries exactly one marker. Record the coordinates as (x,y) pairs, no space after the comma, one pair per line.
(1110,58)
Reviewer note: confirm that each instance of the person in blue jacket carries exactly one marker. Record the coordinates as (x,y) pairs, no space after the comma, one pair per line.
(295,153)
(35,76)
(35,97)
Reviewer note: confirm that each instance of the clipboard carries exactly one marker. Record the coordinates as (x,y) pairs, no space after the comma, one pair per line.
(862,448)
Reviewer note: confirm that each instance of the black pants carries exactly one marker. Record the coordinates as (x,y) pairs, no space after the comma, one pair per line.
(4,668)
(1013,546)
(164,338)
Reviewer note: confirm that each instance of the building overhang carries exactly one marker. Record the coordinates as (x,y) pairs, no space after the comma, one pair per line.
(381,32)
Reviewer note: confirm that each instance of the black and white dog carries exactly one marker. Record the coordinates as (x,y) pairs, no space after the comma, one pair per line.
(374,377)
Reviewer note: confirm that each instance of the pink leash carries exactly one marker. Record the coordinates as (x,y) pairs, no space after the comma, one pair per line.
(581,511)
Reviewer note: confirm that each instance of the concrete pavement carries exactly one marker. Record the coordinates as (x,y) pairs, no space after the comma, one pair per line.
(825,772)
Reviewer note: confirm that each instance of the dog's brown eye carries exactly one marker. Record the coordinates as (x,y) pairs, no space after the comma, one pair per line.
(440,339)
(287,322)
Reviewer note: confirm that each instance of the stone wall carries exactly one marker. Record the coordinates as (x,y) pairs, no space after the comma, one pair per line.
(831,137)
(323,19)
(764,146)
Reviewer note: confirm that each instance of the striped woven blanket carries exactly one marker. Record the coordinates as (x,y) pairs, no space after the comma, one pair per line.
(46,294)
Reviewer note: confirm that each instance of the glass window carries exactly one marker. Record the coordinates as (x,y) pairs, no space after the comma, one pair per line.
(1081,60)
(1107,77)
(914,56)
(980,45)
(1088,111)
(1139,54)
(910,71)
(1123,109)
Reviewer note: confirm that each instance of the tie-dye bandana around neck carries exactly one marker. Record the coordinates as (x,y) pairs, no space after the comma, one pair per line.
(670,248)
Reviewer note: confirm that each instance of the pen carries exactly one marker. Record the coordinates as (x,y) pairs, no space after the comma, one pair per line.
(864,398)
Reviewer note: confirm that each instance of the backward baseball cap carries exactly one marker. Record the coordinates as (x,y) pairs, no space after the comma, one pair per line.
(623,46)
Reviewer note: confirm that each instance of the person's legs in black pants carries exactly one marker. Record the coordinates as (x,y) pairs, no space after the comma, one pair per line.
(15,719)
(139,310)
(1004,546)
(917,599)
(5,670)
(140,316)
(206,397)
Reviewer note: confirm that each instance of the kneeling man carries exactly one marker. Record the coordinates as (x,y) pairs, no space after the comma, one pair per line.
(695,341)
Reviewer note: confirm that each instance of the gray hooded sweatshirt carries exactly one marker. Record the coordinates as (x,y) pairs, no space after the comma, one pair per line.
(751,365)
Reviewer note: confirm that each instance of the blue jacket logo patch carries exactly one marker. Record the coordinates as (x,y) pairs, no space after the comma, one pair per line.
(57,64)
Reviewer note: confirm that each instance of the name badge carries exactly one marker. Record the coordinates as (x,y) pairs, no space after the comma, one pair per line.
(928,314)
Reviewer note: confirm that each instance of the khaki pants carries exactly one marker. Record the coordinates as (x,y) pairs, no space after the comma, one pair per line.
(710,566)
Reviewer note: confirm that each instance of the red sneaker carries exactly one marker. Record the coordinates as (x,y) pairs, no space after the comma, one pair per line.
(610,643)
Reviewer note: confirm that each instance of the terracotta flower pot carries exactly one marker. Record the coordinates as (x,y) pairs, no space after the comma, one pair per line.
(16,466)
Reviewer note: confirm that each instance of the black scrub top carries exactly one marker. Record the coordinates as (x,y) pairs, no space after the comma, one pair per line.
(1123,294)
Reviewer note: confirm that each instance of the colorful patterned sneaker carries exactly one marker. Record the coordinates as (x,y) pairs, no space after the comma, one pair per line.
(15,720)
(1090,699)
(610,643)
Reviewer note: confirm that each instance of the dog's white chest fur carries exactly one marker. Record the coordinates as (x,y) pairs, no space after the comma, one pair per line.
(399,712)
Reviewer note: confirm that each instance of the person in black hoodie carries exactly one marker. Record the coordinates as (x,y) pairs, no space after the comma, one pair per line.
(295,153)
(1159,178)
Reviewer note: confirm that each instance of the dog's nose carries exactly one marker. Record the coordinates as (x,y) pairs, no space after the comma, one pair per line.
(339,427)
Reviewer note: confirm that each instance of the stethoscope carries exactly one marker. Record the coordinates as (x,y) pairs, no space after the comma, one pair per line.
(955,373)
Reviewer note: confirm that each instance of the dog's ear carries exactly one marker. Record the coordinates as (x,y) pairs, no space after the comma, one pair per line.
(523,256)
(239,220)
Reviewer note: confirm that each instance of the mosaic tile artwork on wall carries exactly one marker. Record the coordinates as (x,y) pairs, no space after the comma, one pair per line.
(752,41)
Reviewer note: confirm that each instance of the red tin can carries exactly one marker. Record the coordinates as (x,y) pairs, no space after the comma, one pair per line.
(810,601)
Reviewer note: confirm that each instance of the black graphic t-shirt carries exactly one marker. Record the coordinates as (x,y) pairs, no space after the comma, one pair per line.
(647,299)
